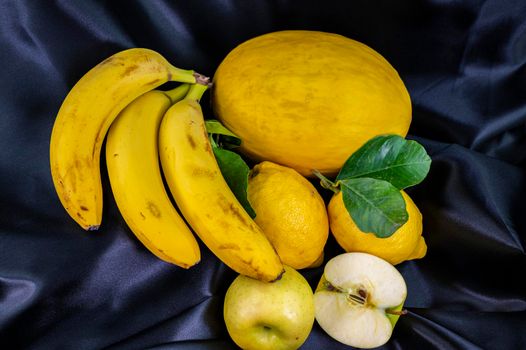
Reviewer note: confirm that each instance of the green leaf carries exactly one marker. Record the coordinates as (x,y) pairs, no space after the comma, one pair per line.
(235,171)
(375,206)
(215,127)
(391,158)
(229,142)
(224,138)
(233,167)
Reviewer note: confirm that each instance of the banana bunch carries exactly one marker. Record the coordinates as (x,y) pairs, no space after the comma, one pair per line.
(117,100)
(132,159)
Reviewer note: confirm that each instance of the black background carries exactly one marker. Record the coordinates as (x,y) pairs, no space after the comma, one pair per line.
(464,64)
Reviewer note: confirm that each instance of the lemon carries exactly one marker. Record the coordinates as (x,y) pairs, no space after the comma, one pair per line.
(308,99)
(406,243)
(291,213)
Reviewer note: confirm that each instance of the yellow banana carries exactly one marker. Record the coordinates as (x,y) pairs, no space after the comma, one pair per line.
(203,196)
(132,158)
(85,116)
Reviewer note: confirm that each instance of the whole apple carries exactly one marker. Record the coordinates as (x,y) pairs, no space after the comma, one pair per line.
(277,315)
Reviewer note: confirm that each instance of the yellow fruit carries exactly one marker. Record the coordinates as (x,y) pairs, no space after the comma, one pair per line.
(203,196)
(86,115)
(406,243)
(307,99)
(132,159)
(290,212)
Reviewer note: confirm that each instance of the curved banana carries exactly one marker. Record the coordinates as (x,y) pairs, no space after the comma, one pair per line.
(132,159)
(204,197)
(85,116)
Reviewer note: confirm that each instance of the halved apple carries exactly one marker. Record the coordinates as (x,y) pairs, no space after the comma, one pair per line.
(359,299)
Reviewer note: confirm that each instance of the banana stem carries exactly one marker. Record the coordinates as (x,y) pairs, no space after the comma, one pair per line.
(182,75)
(178,93)
(202,79)
(196,91)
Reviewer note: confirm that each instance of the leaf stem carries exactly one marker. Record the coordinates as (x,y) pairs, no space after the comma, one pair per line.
(326,183)
(212,141)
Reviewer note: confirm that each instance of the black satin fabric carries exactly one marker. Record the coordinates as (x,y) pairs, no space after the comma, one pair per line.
(464,64)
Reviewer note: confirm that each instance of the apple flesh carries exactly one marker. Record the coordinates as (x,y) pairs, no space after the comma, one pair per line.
(359,299)
(277,315)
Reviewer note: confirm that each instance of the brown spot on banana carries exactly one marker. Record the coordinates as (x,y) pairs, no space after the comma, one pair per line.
(231,246)
(153,82)
(191,141)
(129,70)
(249,263)
(204,172)
(207,146)
(230,208)
(153,209)
(260,275)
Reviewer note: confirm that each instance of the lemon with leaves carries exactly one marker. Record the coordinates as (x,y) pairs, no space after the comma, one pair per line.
(308,99)
(370,212)
(406,243)
(291,213)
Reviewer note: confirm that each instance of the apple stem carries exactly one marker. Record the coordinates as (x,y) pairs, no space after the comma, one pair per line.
(399,313)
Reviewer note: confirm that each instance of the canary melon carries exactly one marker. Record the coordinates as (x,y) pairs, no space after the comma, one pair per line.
(308,99)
